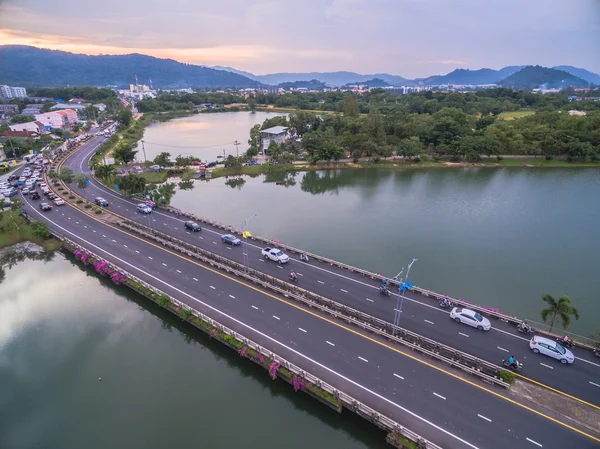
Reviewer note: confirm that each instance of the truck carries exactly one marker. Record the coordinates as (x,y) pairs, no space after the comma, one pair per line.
(276,255)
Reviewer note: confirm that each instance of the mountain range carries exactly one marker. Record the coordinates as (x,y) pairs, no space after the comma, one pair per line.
(32,67)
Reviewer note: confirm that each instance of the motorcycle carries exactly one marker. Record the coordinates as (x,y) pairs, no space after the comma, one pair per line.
(384,291)
(448,305)
(597,352)
(293,279)
(303,258)
(518,368)
(570,344)
(527,330)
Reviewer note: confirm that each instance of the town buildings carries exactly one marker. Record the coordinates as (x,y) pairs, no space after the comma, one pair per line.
(10,92)
(37,127)
(58,119)
(277,134)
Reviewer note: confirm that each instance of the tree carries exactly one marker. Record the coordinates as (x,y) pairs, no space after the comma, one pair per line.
(252,103)
(125,116)
(163,159)
(106,171)
(254,141)
(40,230)
(301,122)
(22,119)
(410,147)
(132,183)
(82,181)
(350,107)
(67,175)
(558,311)
(124,153)
(164,194)
(279,120)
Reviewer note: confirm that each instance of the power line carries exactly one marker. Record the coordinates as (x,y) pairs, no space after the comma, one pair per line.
(191,147)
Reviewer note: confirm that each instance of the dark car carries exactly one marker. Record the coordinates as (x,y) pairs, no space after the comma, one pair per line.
(101,202)
(34,195)
(230,239)
(45,207)
(193,226)
(13,191)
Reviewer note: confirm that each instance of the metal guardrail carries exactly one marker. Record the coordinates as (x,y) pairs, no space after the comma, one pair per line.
(484,370)
(347,401)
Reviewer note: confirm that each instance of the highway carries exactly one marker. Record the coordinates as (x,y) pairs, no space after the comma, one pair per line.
(419,314)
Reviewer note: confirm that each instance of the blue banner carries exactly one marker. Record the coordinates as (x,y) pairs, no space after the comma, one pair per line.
(409,285)
(402,287)
(116,186)
(87,181)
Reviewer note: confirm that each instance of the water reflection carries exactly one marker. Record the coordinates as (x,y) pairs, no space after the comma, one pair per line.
(235,181)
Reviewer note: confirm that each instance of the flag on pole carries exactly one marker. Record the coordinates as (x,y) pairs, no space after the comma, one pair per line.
(246,234)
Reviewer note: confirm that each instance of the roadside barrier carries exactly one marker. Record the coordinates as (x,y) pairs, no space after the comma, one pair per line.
(346,400)
(486,371)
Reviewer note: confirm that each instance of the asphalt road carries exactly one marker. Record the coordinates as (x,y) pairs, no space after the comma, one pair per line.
(452,412)
(419,314)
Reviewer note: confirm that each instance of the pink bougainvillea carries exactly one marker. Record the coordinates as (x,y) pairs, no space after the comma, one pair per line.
(213,333)
(85,258)
(243,351)
(77,253)
(260,358)
(101,267)
(273,369)
(117,278)
(298,383)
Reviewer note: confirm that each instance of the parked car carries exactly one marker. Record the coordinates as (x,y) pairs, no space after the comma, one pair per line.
(276,255)
(45,207)
(551,348)
(470,317)
(58,202)
(101,202)
(143,208)
(192,226)
(34,195)
(231,239)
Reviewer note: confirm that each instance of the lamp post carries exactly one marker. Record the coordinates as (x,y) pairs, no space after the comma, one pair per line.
(402,287)
(244,246)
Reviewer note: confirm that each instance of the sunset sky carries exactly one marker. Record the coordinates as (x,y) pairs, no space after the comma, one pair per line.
(411,38)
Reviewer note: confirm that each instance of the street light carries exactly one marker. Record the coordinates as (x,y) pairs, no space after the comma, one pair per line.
(244,246)
(401,287)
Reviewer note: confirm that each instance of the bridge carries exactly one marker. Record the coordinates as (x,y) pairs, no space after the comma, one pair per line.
(448,409)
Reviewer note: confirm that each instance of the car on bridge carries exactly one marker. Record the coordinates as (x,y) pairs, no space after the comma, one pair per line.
(551,348)
(58,202)
(101,202)
(34,195)
(144,209)
(470,317)
(45,207)
(192,226)
(276,255)
(230,239)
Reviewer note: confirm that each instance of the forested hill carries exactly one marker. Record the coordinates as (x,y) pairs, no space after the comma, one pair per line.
(31,67)
(532,77)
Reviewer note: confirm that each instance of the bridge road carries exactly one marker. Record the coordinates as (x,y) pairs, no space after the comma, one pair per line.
(452,412)
(419,314)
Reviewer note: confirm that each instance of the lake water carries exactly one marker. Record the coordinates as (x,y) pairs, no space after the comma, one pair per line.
(163,385)
(495,237)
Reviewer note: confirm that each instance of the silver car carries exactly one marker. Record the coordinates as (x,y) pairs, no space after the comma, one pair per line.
(551,348)
(470,317)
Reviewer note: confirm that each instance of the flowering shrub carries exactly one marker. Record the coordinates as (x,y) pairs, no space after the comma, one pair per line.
(243,351)
(101,268)
(213,333)
(85,258)
(298,383)
(260,358)
(273,370)
(117,278)
(77,253)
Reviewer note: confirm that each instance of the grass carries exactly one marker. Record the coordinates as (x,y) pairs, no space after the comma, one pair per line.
(512,115)
(155,177)
(539,162)
(18,230)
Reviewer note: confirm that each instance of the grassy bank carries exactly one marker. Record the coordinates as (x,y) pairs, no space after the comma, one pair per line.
(16,229)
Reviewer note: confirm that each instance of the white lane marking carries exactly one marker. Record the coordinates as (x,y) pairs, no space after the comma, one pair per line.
(261,260)
(85,226)
(398,376)
(329,343)
(93,230)
(370,300)
(215,243)
(188,233)
(201,238)
(464,335)
(534,442)
(262,334)
(231,296)
(150,257)
(345,291)
(279,266)
(254,307)
(547,366)
(69,218)
(212,287)
(229,247)
(114,241)
(276,317)
(502,349)
(483,417)
(178,271)
(427,321)
(302,329)
(595,385)
(125,246)
(164,264)
(165,224)
(321,282)
(195,279)
(439,396)
(103,235)
(299,274)
(137,251)
(364,360)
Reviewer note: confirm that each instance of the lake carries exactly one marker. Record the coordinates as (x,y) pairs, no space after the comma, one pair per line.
(495,237)
(164,384)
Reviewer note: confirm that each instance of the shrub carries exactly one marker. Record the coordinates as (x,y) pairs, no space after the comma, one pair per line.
(40,230)
(507,376)
(376,159)
(79,201)
(97,211)
(71,197)
(499,158)
(88,206)
(549,157)
(473,156)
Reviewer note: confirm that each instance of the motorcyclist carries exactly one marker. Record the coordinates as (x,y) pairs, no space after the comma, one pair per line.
(524,327)
(567,340)
(383,288)
(445,302)
(513,362)
(304,257)
(293,276)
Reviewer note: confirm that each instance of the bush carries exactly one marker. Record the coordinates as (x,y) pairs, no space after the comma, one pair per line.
(376,159)
(97,211)
(71,197)
(507,376)
(40,230)
(79,201)
(87,206)
(499,158)
(473,156)
(549,157)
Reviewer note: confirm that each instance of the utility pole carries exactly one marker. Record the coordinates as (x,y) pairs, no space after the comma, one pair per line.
(244,246)
(144,150)
(400,302)
(237,145)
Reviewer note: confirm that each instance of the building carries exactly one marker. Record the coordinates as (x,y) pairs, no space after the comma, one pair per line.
(277,134)
(10,92)
(8,110)
(100,106)
(76,107)
(58,119)
(29,110)
(21,134)
(37,127)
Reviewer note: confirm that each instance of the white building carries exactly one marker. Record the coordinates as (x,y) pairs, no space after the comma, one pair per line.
(10,92)
(36,127)
(58,119)
(276,134)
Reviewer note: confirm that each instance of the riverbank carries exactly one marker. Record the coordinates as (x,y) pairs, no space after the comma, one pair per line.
(16,229)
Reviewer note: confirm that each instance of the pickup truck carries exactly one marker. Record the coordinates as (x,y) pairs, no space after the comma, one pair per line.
(274,254)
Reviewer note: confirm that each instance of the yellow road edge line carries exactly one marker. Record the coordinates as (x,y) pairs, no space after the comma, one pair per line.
(512,401)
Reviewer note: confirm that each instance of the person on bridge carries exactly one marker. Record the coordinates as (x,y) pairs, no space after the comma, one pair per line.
(304,257)
(512,362)
(446,301)
(567,340)
(525,327)
(293,276)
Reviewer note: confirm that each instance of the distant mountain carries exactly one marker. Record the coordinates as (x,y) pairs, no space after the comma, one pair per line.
(32,67)
(466,76)
(312,84)
(252,76)
(329,78)
(584,74)
(532,77)
(375,82)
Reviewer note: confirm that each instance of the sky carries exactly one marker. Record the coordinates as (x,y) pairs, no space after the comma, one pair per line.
(411,38)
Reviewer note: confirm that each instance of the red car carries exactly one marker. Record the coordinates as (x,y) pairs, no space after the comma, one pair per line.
(45,207)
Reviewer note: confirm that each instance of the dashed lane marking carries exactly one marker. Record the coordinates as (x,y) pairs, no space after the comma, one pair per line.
(363,359)
(254,307)
(164,264)
(321,282)
(195,279)
(345,291)
(231,296)
(370,300)
(439,396)
(464,335)
(302,330)
(502,349)
(534,442)
(547,366)
(212,287)
(595,385)
(483,417)
(398,376)
(329,343)
(427,321)
(178,271)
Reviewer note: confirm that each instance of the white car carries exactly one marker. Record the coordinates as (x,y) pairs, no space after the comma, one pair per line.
(43,185)
(470,317)
(143,208)
(551,348)
(276,255)
(58,202)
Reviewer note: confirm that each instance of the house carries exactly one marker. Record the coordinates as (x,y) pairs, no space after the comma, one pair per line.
(277,134)
(21,134)
(100,106)
(58,119)
(29,110)
(77,100)
(8,110)
(37,127)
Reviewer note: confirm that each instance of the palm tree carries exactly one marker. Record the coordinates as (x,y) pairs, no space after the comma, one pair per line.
(106,171)
(560,311)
